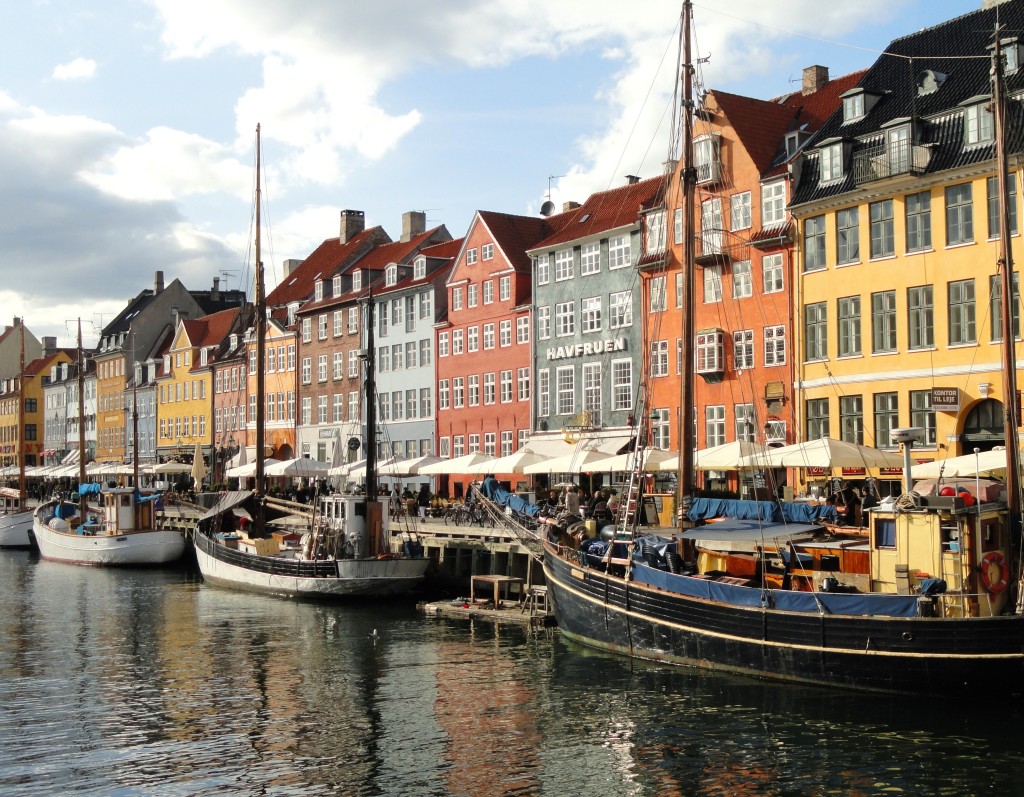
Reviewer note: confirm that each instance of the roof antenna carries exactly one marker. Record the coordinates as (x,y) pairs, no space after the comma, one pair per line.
(549,207)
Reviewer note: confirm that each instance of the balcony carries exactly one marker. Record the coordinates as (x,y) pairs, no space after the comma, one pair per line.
(889,160)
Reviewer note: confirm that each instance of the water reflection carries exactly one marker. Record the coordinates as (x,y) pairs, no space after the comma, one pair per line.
(152,682)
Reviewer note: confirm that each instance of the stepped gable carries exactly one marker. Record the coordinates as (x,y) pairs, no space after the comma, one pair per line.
(606,210)
(323,262)
(958,49)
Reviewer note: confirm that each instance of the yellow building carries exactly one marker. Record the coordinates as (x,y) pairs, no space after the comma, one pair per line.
(185,386)
(898,291)
(280,384)
(12,445)
(111,433)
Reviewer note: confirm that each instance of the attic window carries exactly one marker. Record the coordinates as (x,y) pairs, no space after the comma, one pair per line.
(391,275)
(583,218)
(978,127)
(336,286)
(795,140)
(318,290)
(853,107)
(357,280)
(419,268)
(831,160)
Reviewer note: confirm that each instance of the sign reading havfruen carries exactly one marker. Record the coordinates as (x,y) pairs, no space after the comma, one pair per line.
(946,399)
(587,349)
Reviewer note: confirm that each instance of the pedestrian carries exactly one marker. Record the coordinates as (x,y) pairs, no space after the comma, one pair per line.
(423,501)
(572,500)
(851,505)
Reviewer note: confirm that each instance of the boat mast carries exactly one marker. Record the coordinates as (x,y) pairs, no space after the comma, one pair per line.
(81,425)
(369,396)
(1011,421)
(261,344)
(135,420)
(689,181)
(21,420)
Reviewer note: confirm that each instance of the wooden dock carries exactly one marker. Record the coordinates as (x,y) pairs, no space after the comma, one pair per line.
(509,612)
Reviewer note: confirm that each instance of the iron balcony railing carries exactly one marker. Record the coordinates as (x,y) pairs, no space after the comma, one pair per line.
(889,160)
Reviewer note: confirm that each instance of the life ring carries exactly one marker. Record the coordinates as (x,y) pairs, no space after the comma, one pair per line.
(992,585)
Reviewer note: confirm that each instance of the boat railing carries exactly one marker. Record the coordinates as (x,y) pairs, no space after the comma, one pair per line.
(274,565)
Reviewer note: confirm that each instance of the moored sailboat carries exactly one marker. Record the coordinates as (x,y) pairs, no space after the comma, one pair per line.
(920,604)
(343,553)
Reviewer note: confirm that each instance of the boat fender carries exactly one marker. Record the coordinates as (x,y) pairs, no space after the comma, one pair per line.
(387,556)
(993,585)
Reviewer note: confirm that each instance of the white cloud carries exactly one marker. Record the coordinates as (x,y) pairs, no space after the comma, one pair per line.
(79,69)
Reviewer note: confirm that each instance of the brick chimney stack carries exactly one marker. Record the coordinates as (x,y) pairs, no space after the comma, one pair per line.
(814,78)
(414,222)
(353,222)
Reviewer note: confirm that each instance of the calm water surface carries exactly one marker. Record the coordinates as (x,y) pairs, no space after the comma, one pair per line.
(122,683)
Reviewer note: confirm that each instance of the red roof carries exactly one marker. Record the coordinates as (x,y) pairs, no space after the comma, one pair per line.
(759,124)
(605,210)
(815,108)
(42,364)
(210,330)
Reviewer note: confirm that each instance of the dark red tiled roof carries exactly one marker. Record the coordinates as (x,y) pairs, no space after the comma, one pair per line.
(760,125)
(210,330)
(513,235)
(815,108)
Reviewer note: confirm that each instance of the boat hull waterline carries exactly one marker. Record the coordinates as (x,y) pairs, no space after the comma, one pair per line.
(930,655)
(15,530)
(294,578)
(125,549)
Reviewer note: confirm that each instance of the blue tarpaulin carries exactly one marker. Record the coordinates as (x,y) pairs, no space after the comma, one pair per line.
(492,490)
(768,511)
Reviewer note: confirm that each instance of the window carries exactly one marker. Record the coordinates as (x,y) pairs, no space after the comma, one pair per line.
(489,292)
(390,275)
(816,332)
(307,370)
(922,415)
(471,295)
(426,304)
(817,419)
(814,243)
(884,532)
(457,336)
(490,440)
(543,323)
(474,390)
(746,422)
(659,358)
(620,310)
(543,268)
(996,306)
(357,280)
(710,352)
(506,386)
(711,231)
(272,360)
(831,162)
(442,344)
(773,203)
(488,336)
(920,317)
(523,329)
(353,363)
(919,221)
(565,319)
(590,259)
(442,394)
(771,273)
(474,443)
(590,315)
(658,298)
(679,290)
(743,349)
(339,323)
(853,107)
(961,312)
(563,265)
(978,127)
(338,365)
(504,288)
(677,226)
(456,298)
(883,322)
(618,251)
(851,419)
(307,410)
(321,409)
(775,345)
(505,332)
(739,205)
(959,215)
(714,424)
(489,386)
(565,385)
(655,228)
(992,187)
(883,236)
(705,158)
(307,330)
(321,368)
(487,252)
(886,418)
(458,392)
(506,444)
(847,237)
(382,318)
(397,406)
(321,326)
(712,284)
(471,256)
(419,268)
(458,445)
(849,326)
(622,384)
(742,281)
(425,353)
(543,393)
(426,409)
(384,359)
(522,384)
(473,338)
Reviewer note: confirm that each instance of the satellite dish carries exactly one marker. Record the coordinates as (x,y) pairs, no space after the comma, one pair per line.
(547,208)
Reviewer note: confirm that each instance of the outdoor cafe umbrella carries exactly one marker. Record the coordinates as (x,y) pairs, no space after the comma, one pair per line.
(172,467)
(512,463)
(574,462)
(456,465)
(966,465)
(414,465)
(242,471)
(727,456)
(198,467)
(825,452)
(652,460)
(304,467)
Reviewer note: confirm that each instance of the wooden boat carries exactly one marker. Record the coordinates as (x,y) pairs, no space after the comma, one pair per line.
(922,604)
(342,554)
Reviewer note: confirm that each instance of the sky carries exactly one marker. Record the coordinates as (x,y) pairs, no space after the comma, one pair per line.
(127,127)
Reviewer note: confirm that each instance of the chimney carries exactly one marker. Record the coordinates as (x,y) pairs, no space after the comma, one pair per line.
(215,290)
(290,265)
(814,78)
(174,318)
(414,222)
(158,283)
(353,222)
(570,205)
(632,179)
(49,346)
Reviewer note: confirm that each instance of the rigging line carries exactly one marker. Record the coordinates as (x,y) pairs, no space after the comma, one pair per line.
(830,42)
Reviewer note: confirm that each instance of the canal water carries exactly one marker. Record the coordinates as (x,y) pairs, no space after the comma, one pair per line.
(125,683)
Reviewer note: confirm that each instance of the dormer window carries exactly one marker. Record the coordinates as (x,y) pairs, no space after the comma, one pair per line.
(293,309)
(204,357)
(391,275)
(795,141)
(419,268)
(234,342)
(357,280)
(853,108)
(831,161)
(318,291)
(336,286)
(706,158)
(978,127)
(1011,57)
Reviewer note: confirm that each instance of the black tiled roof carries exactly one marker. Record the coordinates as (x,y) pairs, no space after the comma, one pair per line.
(960,49)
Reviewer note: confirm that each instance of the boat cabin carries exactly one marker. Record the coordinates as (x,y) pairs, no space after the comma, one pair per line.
(121,512)
(10,501)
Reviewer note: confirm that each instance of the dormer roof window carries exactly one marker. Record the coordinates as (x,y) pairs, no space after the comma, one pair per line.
(857,103)
(390,275)
(419,268)
(831,161)
(336,286)
(795,141)
(318,290)
(357,280)
(978,127)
